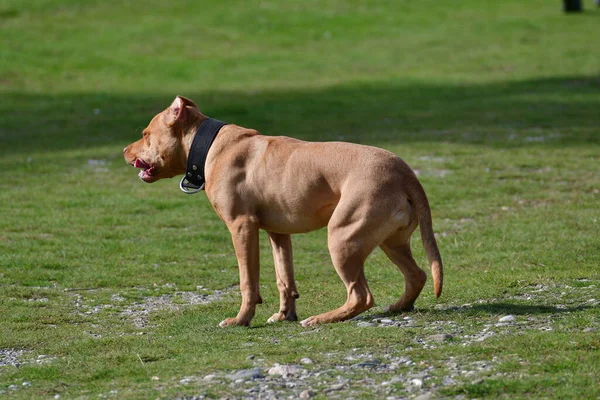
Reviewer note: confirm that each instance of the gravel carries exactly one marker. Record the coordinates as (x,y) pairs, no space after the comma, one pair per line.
(387,373)
(11,357)
(139,312)
(390,373)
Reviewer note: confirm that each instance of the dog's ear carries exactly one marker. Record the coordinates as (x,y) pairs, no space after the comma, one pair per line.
(178,110)
(188,102)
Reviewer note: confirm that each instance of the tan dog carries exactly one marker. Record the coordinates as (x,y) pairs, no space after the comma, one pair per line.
(367,197)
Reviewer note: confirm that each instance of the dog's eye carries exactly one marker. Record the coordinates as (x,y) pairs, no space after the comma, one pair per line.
(145,133)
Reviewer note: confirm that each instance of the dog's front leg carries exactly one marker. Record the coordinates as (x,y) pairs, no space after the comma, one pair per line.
(244,233)
(284,271)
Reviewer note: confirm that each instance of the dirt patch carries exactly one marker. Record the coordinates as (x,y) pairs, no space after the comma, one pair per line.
(140,312)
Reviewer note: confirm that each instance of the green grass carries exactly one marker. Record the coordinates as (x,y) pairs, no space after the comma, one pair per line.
(496,104)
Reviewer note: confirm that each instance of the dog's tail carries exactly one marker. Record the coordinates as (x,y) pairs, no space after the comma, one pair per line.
(423,212)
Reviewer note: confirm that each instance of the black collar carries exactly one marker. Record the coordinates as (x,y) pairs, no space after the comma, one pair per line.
(193,181)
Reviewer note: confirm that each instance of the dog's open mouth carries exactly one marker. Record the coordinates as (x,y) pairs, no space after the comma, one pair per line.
(147,172)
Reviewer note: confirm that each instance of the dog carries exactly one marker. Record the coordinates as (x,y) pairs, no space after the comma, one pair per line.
(365,196)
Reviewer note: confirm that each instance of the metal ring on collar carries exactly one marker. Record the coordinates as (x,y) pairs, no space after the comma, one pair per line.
(189,188)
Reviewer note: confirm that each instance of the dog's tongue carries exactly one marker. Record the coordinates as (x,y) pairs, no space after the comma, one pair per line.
(140,164)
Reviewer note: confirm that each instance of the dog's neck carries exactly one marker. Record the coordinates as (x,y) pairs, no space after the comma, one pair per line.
(190,133)
(201,141)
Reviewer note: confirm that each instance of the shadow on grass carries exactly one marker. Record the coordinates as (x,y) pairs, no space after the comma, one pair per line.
(504,308)
(552,111)
(524,309)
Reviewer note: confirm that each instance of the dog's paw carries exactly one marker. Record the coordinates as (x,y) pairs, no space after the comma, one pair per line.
(233,322)
(280,316)
(310,321)
(277,317)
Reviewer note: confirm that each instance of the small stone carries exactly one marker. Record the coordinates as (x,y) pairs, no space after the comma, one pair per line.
(209,377)
(425,396)
(306,360)
(387,321)
(306,394)
(13,387)
(481,365)
(364,324)
(367,364)
(26,384)
(487,335)
(244,374)
(507,318)
(337,386)
(186,380)
(439,337)
(447,381)
(285,370)
(155,378)
(117,297)
(416,382)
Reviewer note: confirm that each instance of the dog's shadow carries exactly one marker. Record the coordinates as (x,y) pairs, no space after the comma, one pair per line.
(526,309)
(500,308)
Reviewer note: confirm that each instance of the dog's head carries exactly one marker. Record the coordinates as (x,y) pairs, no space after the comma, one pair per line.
(161,153)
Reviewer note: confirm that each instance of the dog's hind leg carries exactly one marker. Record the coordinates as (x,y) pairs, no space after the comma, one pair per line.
(397,248)
(351,238)
(284,270)
(349,265)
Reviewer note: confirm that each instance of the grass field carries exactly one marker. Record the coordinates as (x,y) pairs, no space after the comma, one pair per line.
(112,288)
